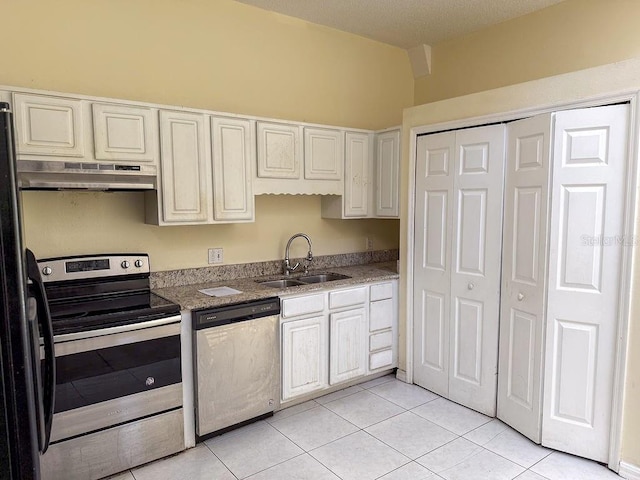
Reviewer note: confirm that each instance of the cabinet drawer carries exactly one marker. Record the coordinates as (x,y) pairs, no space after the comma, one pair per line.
(380,359)
(292,307)
(381,291)
(346,298)
(381,315)
(378,341)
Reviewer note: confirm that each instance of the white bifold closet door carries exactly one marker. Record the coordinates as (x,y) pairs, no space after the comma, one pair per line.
(568,340)
(524,275)
(458,225)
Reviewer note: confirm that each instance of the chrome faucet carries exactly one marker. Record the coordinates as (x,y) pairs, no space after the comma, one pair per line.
(287,264)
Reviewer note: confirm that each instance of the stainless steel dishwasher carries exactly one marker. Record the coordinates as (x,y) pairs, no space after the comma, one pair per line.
(236,364)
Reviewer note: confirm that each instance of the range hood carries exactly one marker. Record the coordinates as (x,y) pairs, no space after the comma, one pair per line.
(63,175)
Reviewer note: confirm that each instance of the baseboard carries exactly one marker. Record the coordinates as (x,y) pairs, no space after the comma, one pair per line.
(629,471)
(401,375)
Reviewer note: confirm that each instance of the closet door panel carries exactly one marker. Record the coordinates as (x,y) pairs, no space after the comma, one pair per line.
(523,275)
(475,279)
(432,267)
(590,158)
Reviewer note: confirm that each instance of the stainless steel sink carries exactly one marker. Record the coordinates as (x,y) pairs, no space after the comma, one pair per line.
(304,280)
(281,283)
(322,277)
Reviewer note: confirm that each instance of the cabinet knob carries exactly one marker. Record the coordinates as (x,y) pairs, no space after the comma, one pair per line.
(471,286)
(520,297)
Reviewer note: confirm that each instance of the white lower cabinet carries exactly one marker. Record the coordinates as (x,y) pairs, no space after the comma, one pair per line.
(328,339)
(348,346)
(304,356)
(383,321)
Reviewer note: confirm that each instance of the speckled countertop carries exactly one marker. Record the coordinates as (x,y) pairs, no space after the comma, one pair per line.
(189,298)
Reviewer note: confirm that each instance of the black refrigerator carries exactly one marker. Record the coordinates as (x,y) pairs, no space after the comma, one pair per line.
(26,341)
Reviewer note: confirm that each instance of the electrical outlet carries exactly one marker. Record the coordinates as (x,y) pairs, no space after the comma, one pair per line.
(368,243)
(215,255)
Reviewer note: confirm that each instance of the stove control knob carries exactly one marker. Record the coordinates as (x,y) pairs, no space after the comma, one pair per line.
(138,263)
(125,264)
(47,271)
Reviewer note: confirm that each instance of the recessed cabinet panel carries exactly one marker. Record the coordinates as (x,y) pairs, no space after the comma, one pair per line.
(387,169)
(304,356)
(348,345)
(125,133)
(233,151)
(48,125)
(186,193)
(279,152)
(323,154)
(356,175)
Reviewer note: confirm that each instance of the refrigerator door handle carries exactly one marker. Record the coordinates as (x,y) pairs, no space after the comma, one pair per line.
(44,318)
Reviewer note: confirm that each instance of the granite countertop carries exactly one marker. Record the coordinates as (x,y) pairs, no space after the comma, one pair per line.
(189,298)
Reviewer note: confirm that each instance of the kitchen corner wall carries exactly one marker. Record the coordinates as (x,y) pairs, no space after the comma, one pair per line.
(219,55)
(569,36)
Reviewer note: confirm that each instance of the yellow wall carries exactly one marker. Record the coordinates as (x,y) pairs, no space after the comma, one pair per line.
(218,55)
(558,90)
(566,37)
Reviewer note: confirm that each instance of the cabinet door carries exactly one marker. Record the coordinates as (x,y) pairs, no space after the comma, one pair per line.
(48,126)
(348,345)
(279,152)
(233,152)
(125,133)
(185,160)
(323,154)
(304,356)
(356,176)
(387,167)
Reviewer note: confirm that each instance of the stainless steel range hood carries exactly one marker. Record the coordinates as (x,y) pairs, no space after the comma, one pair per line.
(62,175)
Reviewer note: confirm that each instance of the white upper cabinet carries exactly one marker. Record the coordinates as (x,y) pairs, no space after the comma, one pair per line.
(49,126)
(233,152)
(279,152)
(357,181)
(387,169)
(185,192)
(323,154)
(296,159)
(363,197)
(125,133)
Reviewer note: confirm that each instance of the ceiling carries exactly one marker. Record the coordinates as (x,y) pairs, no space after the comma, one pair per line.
(405,23)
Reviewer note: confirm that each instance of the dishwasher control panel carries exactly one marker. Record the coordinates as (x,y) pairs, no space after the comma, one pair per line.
(236,312)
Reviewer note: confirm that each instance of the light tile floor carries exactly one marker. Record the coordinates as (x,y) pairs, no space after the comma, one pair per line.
(382,429)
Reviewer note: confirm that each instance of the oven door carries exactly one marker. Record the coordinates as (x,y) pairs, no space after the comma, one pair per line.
(116,375)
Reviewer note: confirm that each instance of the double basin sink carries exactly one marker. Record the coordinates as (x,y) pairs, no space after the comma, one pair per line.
(304,280)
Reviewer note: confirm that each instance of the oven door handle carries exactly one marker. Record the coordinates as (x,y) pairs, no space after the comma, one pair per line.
(44,319)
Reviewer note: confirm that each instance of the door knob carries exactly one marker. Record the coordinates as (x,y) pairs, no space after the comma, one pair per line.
(520,297)
(470,286)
